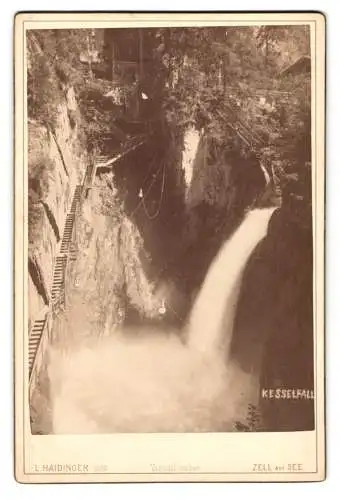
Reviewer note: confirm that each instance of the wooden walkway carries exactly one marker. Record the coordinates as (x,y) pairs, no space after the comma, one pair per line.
(57,294)
(104,163)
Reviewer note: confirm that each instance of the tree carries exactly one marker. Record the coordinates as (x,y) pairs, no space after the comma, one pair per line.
(256,112)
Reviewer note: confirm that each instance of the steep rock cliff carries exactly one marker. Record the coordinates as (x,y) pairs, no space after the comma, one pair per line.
(55,167)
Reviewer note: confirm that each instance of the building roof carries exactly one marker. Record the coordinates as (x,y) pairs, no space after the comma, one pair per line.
(301,65)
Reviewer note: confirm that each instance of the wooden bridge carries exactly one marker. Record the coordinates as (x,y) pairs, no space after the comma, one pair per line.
(105,163)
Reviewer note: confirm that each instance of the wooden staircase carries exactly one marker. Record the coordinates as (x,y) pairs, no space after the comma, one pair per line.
(58,284)
(34,340)
(69,223)
(67,252)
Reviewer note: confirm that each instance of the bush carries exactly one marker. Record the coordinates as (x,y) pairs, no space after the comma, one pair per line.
(63,49)
(43,92)
(54,65)
(98,113)
(38,177)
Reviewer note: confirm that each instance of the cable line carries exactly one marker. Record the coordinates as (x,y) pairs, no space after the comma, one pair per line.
(156,213)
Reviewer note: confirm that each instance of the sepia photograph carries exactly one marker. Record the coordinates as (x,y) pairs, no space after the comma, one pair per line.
(170,258)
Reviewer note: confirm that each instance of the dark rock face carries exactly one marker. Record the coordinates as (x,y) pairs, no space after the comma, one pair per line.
(273,333)
(37,276)
(218,215)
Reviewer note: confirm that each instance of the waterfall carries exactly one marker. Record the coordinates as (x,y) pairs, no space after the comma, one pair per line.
(191,142)
(210,325)
(147,380)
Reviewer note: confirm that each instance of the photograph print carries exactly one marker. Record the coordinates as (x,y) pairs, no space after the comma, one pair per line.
(170,229)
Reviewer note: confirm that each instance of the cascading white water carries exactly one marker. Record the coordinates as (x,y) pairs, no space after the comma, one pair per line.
(191,142)
(145,380)
(210,325)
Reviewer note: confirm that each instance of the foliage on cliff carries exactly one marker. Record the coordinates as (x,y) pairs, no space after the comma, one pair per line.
(55,127)
(56,63)
(230,82)
(63,49)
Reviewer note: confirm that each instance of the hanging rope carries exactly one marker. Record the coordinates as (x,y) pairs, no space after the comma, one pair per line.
(146,193)
(156,213)
(153,162)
